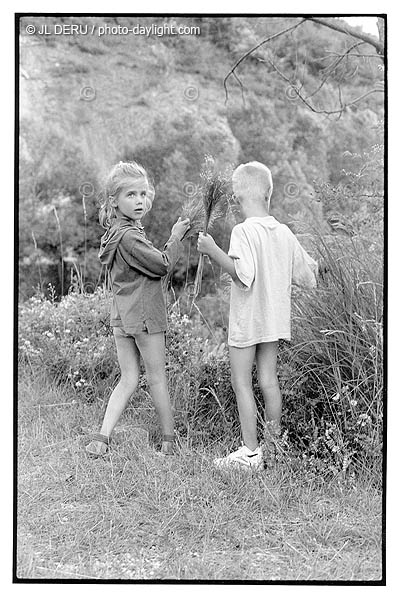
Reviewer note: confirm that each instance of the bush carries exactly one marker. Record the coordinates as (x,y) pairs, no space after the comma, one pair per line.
(331,374)
(69,341)
(334,369)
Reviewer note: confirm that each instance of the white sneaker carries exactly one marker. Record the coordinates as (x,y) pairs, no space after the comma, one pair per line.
(248,459)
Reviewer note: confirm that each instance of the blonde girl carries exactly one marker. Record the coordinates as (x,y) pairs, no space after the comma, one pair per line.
(138,312)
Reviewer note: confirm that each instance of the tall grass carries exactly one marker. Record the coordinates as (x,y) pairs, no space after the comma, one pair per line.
(314,515)
(337,354)
(331,374)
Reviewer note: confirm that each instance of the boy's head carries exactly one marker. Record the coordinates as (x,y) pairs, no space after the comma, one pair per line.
(252,180)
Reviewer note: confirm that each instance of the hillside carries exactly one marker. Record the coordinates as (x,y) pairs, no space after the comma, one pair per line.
(88,101)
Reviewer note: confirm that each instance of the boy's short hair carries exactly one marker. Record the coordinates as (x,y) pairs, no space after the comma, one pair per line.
(255,175)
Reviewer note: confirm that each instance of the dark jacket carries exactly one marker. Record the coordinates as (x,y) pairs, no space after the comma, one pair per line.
(136,268)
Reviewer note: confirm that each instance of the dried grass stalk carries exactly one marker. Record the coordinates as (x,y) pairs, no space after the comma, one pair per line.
(206,207)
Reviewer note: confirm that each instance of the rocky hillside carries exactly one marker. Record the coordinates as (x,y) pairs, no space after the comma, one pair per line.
(88,100)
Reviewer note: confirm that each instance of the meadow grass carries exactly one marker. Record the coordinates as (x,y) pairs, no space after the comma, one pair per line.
(138,516)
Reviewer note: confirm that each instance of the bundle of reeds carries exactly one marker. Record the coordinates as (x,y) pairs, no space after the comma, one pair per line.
(205,207)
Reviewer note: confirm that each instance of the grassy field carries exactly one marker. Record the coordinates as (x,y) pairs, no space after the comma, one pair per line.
(138,516)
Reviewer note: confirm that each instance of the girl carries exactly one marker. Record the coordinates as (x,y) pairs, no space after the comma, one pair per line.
(138,314)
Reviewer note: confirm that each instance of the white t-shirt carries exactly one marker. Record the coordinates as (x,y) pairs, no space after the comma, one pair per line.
(268,259)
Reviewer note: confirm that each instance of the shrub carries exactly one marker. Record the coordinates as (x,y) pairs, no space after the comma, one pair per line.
(334,369)
(70,341)
(331,374)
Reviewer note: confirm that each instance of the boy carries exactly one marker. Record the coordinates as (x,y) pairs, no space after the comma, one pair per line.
(264,259)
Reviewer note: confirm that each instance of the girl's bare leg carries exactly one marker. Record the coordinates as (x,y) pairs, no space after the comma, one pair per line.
(129,363)
(241,360)
(152,349)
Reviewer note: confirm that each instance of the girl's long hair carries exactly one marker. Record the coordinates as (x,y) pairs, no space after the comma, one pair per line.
(119,175)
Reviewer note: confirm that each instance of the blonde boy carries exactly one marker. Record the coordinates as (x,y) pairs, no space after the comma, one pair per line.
(264,259)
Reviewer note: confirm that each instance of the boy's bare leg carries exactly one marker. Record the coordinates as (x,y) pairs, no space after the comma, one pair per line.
(129,363)
(242,360)
(152,349)
(266,360)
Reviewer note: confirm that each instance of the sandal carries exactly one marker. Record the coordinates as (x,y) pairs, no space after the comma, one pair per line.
(167,446)
(99,444)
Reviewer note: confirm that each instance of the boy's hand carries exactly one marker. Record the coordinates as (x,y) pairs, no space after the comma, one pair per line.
(205,243)
(180,228)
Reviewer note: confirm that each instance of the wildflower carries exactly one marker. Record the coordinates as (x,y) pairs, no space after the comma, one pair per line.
(364,420)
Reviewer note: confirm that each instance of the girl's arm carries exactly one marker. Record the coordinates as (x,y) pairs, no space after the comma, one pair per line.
(140,254)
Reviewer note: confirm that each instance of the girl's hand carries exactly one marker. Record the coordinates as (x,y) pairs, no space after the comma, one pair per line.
(205,243)
(180,228)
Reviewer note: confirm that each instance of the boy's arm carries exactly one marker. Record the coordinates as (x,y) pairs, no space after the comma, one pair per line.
(207,245)
(305,268)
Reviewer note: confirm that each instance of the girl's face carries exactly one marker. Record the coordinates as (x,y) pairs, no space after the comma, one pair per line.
(131,200)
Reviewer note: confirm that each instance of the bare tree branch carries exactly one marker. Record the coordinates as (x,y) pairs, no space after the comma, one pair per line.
(333,66)
(329,70)
(355,55)
(242,58)
(343,28)
(304,99)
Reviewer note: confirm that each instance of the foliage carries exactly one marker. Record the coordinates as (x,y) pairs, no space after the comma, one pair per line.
(326,172)
(335,366)
(69,341)
(161,102)
(330,374)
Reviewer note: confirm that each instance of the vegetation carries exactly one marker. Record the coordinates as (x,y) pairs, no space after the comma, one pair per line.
(112,98)
(134,516)
(315,515)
